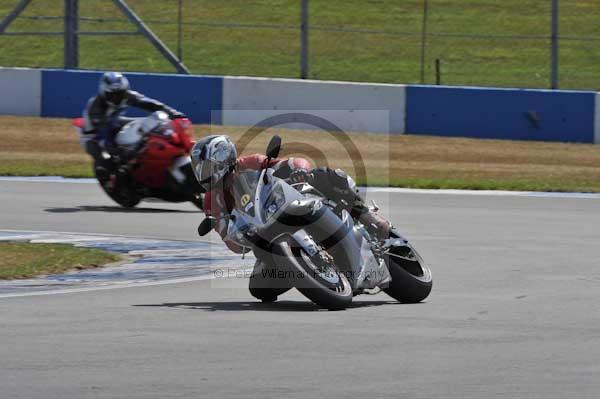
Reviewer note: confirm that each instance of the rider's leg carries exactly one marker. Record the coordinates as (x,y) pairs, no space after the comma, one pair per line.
(264,283)
(109,163)
(337,185)
(103,166)
(93,149)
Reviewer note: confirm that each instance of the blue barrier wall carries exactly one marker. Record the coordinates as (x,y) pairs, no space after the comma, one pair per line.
(546,115)
(65,93)
(513,114)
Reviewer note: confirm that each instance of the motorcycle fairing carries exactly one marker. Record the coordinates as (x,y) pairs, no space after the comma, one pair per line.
(253,193)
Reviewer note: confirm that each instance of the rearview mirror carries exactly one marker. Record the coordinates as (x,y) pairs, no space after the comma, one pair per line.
(206,226)
(274,147)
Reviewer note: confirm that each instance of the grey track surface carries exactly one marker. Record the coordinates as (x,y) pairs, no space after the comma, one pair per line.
(514,312)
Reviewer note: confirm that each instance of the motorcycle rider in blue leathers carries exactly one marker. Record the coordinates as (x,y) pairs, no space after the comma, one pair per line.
(103,118)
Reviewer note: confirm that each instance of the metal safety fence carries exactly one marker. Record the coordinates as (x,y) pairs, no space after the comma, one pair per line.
(514,43)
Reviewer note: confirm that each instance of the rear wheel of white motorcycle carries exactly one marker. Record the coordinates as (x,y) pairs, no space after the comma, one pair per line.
(325,285)
(411,277)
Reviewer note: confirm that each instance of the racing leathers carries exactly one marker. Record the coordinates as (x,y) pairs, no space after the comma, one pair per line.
(103,120)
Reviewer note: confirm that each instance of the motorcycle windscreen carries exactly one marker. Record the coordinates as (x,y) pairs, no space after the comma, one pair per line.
(244,190)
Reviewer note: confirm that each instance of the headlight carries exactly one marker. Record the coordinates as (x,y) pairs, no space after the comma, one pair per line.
(274,202)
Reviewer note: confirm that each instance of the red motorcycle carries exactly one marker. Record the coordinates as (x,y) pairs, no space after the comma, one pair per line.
(158,166)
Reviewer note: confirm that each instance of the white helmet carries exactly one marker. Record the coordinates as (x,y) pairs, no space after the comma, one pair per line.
(113,87)
(213,157)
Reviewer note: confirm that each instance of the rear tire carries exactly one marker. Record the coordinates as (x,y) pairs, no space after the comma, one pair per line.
(411,277)
(333,292)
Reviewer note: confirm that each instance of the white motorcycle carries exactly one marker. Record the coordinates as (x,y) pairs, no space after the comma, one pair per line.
(312,244)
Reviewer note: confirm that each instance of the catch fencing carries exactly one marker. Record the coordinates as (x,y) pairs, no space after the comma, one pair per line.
(513,43)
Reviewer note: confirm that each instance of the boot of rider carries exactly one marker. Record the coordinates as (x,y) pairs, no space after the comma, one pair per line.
(107,178)
(105,173)
(121,158)
(264,283)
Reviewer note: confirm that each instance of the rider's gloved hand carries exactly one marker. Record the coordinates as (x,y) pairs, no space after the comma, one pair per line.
(299,176)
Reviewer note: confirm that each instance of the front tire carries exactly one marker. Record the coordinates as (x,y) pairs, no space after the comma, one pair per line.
(325,286)
(124,196)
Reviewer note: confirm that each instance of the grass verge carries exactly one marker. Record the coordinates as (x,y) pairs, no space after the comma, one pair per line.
(25,260)
(401,161)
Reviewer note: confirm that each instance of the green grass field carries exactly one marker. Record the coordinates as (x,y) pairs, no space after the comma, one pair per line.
(24,260)
(334,53)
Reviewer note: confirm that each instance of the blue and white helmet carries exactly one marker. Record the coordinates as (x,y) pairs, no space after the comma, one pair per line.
(113,87)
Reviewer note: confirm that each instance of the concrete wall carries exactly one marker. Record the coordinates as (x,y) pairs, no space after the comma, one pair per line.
(356,107)
(568,116)
(20,91)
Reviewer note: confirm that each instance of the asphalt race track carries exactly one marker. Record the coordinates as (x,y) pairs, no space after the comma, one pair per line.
(514,312)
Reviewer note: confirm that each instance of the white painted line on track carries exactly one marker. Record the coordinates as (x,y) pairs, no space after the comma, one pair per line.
(209,276)
(90,235)
(399,190)
(498,193)
(47,179)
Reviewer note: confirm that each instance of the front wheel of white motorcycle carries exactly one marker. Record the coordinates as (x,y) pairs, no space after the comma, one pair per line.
(316,278)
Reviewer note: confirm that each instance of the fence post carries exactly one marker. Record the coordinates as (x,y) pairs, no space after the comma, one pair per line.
(152,38)
(304,40)
(554,46)
(179,30)
(71,22)
(424,39)
(14,14)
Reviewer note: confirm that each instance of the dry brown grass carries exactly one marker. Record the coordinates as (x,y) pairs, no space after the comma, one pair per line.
(50,146)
